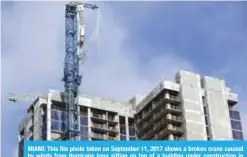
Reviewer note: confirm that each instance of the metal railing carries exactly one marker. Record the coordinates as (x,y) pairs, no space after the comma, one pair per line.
(84,114)
(99,136)
(112,129)
(175,128)
(176,98)
(99,116)
(99,126)
(176,108)
(112,138)
(110,118)
(177,138)
(176,118)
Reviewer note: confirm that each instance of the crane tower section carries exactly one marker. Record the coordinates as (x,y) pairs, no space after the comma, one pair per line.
(75,36)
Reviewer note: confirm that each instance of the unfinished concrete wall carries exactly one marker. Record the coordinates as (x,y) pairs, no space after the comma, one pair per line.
(37,121)
(191,94)
(218,109)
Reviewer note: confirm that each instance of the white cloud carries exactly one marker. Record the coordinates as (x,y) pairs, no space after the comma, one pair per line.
(33,58)
(35,61)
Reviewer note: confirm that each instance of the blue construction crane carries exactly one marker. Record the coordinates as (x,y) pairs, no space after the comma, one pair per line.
(75,38)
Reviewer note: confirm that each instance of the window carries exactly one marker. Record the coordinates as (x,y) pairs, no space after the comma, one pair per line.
(84,129)
(238,135)
(207,129)
(131,131)
(63,126)
(122,129)
(83,137)
(132,138)
(63,116)
(122,137)
(21,148)
(203,101)
(205,110)
(44,132)
(206,120)
(55,115)
(56,125)
(84,120)
(236,125)
(234,115)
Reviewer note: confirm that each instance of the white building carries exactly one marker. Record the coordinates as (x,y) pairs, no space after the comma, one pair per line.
(190,108)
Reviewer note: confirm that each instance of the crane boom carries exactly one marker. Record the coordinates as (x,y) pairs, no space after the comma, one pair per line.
(15,97)
(75,36)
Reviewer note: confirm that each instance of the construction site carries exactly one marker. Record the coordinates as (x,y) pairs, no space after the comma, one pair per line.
(190,107)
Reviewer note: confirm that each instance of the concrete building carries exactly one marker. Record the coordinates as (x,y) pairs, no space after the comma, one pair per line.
(100,119)
(190,108)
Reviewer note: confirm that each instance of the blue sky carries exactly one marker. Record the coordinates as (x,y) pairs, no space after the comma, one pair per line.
(141,43)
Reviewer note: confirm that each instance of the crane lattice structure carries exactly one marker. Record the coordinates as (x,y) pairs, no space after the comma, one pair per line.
(74,44)
(75,37)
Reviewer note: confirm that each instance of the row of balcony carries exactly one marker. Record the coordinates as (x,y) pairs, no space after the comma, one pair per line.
(175,138)
(103,137)
(165,120)
(168,108)
(61,115)
(104,117)
(104,127)
(160,132)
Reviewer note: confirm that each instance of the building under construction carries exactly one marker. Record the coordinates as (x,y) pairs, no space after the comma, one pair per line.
(189,108)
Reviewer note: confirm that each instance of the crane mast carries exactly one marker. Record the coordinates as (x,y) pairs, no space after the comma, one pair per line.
(74,42)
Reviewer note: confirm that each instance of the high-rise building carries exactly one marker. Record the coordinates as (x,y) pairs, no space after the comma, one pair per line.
(190,108)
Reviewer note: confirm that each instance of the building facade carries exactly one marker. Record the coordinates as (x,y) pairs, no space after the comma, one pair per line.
(190,108)
(100,119)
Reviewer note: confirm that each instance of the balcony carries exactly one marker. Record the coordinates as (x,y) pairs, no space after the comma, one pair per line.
(174,109)
(178,138)
(98,136)
(161,135)
(112,119)
(155,137)
(160,114)
(83,114)
(174,99)
(175,130)
(167,109)
(100,117)
(99,127)
(160,125)
(113,129)
(146,126)
(147,114)
(175,119)
(112,138)
(148,135)
(138,120)
(158,103)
